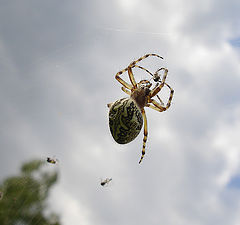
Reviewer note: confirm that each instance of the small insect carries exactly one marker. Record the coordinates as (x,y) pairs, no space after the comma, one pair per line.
(52,160)
(106,181)
(127,115)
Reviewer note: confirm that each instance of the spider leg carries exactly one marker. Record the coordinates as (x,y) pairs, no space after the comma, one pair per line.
(119,79)
(129,69)
(130,73)
(126,91)
(155,90)
(144,69)
(158,106)
(170,96)
(145,135)
(160,100)
(131,77)
(144,57)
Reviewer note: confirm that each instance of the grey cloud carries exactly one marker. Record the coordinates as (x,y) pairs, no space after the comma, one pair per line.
(58,62)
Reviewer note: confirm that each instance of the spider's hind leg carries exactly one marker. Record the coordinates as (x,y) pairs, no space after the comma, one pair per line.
(145,135)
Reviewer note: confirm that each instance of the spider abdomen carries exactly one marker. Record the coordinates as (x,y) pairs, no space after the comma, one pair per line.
(125,120)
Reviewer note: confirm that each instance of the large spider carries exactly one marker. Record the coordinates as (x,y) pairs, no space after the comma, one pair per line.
(127,115)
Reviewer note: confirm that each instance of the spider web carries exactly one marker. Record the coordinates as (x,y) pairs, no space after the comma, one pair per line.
(23,198)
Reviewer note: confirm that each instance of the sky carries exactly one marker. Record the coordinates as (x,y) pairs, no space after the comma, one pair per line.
(58,62)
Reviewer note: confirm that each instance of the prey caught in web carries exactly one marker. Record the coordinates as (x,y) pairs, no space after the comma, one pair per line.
(106,181)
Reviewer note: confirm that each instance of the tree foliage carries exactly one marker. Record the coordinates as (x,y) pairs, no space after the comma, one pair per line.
(23,197)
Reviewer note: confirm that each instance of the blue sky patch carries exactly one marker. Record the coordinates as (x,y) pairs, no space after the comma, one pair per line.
(235,42)
(234,182)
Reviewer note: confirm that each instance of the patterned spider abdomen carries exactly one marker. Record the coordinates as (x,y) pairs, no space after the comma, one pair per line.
(125,120)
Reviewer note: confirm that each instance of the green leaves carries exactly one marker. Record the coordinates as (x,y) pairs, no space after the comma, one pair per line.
(24,196)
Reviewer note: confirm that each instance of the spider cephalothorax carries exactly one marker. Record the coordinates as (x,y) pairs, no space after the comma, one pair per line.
(127,115)
(141,92)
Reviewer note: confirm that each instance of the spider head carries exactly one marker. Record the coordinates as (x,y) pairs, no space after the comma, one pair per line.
(140,93)
(143,88)
(144,84)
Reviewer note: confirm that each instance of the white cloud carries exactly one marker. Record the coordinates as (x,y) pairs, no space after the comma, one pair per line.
(128,6)
(193,148)
(70,209)
(226,141)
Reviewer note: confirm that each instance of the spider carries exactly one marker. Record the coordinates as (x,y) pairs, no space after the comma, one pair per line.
(127,115)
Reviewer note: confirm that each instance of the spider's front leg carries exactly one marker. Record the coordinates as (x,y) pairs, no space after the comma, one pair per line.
(145,135)
(124,83)
(158,88)
(159,107)
(131,77)
(129,69)
(144,57)
(170,96)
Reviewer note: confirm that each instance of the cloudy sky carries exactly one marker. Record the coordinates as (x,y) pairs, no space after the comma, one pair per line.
(57,64)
